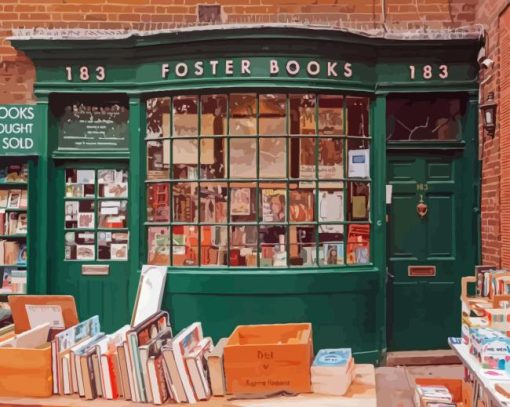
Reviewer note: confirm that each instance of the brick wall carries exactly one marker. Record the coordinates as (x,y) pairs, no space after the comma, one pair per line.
(16,74)
(488,14)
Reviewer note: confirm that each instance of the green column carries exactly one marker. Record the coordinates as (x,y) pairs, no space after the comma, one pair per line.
(378,206)
(41,231)
(136,193)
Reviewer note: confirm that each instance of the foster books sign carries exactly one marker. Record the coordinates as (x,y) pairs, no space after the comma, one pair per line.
(19,133)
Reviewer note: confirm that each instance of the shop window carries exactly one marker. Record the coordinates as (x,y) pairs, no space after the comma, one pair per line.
(427,117)
(96,214)
(258,180)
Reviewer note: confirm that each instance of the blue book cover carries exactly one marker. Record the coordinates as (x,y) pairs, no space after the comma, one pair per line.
(332,357)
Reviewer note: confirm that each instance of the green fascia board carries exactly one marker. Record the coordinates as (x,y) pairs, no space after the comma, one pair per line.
(287,282)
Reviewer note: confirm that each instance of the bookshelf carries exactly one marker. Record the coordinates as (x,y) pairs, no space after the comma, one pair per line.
(13,228)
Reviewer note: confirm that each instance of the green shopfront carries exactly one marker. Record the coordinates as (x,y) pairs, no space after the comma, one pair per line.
(282,174)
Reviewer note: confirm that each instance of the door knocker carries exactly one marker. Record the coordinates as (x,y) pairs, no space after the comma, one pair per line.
(422,208)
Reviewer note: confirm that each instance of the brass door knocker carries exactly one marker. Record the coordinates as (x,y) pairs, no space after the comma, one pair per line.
(422,208)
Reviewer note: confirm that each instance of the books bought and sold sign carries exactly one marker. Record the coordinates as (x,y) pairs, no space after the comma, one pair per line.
(19,132)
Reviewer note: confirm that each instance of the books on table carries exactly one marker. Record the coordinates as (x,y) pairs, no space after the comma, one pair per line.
(215,368)
(332,371)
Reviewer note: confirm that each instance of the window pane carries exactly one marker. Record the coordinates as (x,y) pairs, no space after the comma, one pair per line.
(185,202)
(272,157)
(112,183)
(420,117)
(243,153)
(243,202)
(357,116)
(158,117)
(113,214)
(213,202)
(212,158)
(331,209)
(273,205)
(273,249)
(158,202)
(80,246)
(302,114)
(158,245)
(243,114)
(80,183)
(213,120)
(185,245)
(358,165)
(331,118)
(307,158)
(185,158)
(113,245)
(272,114)
(358,244)
(243,246)
(302,204)
(302,245)
(217,253)
(330,158)
(358,205)
(158,159)
(79,214)
(185,116)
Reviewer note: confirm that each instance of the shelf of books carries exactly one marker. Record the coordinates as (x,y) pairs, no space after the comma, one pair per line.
(13,228)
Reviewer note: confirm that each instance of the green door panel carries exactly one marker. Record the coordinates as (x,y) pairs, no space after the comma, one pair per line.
(424,323)
(106,296)
(417,304)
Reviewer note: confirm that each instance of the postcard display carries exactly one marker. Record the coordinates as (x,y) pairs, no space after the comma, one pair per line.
(13,227)
(258,180)
(96,214)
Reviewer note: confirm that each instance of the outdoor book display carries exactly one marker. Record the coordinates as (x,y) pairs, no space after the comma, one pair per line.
(13,227)
(145,362)
(484,346)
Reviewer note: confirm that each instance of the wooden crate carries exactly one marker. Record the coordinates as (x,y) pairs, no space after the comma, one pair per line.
(269,358)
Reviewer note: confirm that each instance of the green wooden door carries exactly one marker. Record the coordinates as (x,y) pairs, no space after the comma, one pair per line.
(97,236)
(424,309)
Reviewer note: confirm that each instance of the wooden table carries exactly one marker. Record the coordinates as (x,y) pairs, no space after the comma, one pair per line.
(472,364)
(360,394)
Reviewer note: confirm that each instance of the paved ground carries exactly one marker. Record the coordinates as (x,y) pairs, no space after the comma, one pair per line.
(395,385)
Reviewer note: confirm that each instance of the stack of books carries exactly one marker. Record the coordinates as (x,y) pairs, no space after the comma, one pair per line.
(433,396)
(142,362)
(332,371)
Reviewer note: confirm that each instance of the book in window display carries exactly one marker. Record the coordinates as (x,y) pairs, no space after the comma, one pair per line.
(273,205)
(22,224)
(14,199)
(4,198)
(14,173)
(240,201)
(331,209)
(301,207)
(158,202)
(184,202)
(331,119)
(333,253)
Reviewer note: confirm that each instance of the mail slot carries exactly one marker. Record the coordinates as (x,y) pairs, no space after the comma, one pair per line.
(421,271)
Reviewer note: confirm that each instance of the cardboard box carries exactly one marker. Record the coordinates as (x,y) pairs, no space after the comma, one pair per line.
(269,358)
(27,372)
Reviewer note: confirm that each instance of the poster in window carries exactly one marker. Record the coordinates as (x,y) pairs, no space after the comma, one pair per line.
(301,206)
(240,203)
(331,209)
(273,205)
(329,157)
